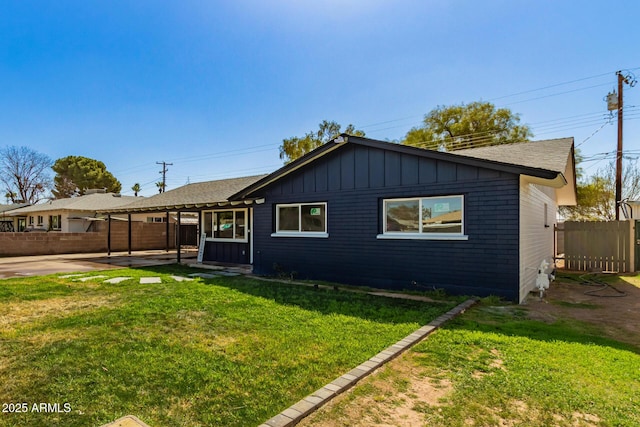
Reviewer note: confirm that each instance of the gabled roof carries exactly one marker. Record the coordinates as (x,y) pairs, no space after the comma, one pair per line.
(196,195)
(541,159)
(550,154)
(86,203)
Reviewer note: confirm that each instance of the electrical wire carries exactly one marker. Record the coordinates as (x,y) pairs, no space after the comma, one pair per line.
(595,132)
(480,139)
(551,86)
(557,94)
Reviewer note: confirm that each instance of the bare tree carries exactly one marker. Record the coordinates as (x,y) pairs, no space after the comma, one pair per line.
(596,194)
(24,173)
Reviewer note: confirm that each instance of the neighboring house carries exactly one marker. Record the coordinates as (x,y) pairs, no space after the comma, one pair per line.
(366,212)
(10,223)
(631,209)
(225,224)
(70,215)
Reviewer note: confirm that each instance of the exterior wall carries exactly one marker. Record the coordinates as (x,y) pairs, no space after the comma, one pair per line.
(69,223)
(236,252)
(536,242)
(353,181)
(143,236)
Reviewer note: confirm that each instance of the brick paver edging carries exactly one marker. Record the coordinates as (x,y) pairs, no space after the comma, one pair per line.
(294,414)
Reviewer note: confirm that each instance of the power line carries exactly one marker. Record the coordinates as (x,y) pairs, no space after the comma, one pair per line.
(557,94)
(515,94)
(482,139)
(595,132)
(551,86)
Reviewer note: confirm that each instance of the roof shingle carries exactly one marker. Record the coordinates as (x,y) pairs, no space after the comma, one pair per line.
(198,194)
(88,203)
(549,154)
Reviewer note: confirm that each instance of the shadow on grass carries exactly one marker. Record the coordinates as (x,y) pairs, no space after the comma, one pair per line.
(512,321)
(325,301)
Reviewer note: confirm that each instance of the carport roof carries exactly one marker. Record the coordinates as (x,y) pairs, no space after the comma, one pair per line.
(191,196)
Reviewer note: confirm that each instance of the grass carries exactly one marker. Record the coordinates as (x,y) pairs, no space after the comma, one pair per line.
(495,366)
(214,352)
(505,367)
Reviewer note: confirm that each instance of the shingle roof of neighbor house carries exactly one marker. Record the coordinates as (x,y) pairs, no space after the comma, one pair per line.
(88,203)
(7,208)
(196,195)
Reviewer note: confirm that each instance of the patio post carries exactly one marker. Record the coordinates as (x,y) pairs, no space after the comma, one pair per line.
(178,237)
(109,235)
(167,233)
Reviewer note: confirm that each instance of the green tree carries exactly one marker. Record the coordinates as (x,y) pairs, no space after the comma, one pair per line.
(24,173)
(76,174)
(161,186)
(136,189)
(467,126)
(295,147)
(596,193)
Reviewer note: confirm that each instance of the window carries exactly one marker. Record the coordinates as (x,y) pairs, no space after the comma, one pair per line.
(40,220)
(424,218)
(301,220)
(228,225)
(55,222)
(31,221)
(156,219)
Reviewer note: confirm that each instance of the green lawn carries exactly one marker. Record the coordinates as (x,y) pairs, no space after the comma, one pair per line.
(494,366)
(505,367)
(208,352)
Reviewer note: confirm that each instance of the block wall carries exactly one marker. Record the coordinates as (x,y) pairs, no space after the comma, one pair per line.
(144,236)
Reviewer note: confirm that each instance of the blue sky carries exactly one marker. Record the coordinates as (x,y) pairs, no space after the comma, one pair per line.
(213,87)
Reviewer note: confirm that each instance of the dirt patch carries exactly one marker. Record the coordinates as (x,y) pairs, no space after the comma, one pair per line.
(615,308)
(393,395)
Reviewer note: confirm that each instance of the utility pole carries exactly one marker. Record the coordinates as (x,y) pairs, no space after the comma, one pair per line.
(164,174)
(631,82)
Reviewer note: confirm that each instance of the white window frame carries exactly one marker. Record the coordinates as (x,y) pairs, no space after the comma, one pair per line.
(317,234)
(420,235)
(244,239)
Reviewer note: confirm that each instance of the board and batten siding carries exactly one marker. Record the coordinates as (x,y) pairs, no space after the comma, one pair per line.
(354,181)
(536,243)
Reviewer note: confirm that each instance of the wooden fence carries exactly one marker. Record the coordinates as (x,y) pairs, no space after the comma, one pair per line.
(599,246)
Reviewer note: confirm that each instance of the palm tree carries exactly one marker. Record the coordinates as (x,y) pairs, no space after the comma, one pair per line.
(136,189)
(160,186)
(11,196)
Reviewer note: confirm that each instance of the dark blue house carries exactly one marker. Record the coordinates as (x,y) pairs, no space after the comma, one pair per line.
(365,212)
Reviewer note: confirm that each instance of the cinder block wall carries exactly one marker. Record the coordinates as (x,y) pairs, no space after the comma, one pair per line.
(143,236)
